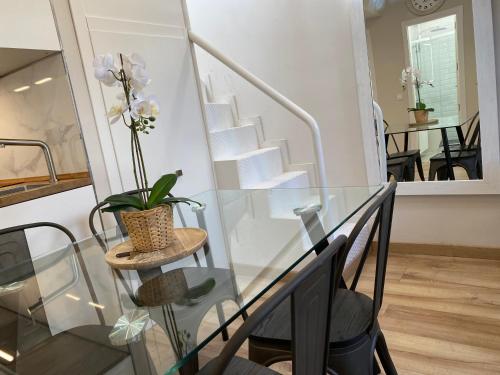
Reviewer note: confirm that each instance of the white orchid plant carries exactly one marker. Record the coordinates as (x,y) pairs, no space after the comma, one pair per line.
(138,113)
(413,76)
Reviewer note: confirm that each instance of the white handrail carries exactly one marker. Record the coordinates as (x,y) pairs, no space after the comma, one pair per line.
(274,94)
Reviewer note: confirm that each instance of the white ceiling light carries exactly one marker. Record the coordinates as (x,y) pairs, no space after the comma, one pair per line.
(43,80)
(6,356)
(22,88)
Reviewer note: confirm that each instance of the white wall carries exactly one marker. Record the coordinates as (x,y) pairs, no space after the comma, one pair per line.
(28,24)
(154,29)
(44,112)
(304,49)
(70,209)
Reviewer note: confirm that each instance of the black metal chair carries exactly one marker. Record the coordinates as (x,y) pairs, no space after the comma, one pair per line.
(413,155)
(40,352)
(398,168)
(308,297)
(471,129)
(355,332)
(467,155)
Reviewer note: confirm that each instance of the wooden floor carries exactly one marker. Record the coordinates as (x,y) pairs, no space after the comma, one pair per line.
(441,315)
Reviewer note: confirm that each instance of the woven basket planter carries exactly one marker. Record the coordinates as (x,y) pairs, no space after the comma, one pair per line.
(150,230)
(421,116)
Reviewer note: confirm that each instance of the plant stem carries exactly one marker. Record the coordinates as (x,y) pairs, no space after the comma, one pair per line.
(132,142)
(140,164)
(141,159)
(140,179)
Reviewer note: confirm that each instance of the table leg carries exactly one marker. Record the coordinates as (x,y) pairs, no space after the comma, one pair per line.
(460,134)
(406,141)
(314,227)
(386,137)
(446,146)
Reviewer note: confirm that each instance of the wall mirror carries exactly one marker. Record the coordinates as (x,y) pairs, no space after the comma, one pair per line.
(424,66)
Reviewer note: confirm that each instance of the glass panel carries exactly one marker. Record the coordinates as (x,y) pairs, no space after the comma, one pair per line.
(74,306)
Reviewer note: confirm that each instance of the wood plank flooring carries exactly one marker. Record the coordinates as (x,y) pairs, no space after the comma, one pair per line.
(441,315)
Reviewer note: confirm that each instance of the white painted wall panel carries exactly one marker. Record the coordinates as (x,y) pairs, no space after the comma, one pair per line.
(153,29)
(28,24)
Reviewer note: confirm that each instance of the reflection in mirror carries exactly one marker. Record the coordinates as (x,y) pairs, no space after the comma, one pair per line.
(41,150)
(423,71)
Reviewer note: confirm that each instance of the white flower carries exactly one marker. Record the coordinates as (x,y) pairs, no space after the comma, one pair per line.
(144,107)
(116,111)
(135,69)
(104,67)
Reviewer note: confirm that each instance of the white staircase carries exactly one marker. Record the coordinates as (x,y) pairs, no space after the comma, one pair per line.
(243,157)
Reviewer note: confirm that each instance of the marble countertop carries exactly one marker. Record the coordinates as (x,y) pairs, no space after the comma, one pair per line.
(40,191)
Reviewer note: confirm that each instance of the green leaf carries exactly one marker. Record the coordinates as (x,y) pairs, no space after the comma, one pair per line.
(115,208)
(160,189)
(188,201)
(125,200)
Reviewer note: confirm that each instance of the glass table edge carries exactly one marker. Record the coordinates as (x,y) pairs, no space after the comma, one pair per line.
(180,363)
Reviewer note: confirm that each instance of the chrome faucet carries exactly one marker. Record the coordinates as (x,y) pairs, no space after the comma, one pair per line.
(45,148)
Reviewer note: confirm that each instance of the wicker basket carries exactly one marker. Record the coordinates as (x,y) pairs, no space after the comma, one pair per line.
(150,230)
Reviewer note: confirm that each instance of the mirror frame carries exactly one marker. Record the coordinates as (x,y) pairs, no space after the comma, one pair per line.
(488,107)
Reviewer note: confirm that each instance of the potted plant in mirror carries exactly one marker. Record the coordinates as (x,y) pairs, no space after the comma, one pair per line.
(147,214)
(413,77)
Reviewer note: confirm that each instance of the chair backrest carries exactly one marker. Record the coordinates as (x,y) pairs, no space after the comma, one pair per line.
(382,209)
(311,293)
(386,124)
(15,256)
(472,134)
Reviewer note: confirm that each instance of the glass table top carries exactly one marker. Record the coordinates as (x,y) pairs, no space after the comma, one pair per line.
(70,305)
(444,123)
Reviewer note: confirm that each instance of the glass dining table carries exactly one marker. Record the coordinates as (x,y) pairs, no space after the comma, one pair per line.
(442,125)
(81,316)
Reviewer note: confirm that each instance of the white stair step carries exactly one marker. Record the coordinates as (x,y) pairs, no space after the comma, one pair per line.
(228,143)
(219,116)
(248,169)
(287,180)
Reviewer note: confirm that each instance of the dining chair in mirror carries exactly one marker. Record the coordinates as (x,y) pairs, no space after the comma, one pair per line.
(415,159)
(466,155)
(398,168)
(355,333)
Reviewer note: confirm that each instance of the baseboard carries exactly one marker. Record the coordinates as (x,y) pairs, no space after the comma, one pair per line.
(445,250)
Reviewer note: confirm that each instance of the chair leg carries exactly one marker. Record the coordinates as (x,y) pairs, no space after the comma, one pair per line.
(471,169)
(384,356)
(442,174)
(420,168)
(432,172)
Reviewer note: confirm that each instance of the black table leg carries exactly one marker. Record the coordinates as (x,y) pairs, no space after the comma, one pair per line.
(386,137)
(460,134)
(406,141)
(446,146)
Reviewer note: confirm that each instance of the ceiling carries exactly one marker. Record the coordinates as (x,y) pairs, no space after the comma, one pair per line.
(12,59)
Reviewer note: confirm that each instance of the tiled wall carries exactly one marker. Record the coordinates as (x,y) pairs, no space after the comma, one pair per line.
(43,112)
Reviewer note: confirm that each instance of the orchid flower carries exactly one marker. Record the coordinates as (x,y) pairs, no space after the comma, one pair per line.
(145,107)
(135,69)
(105,69)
